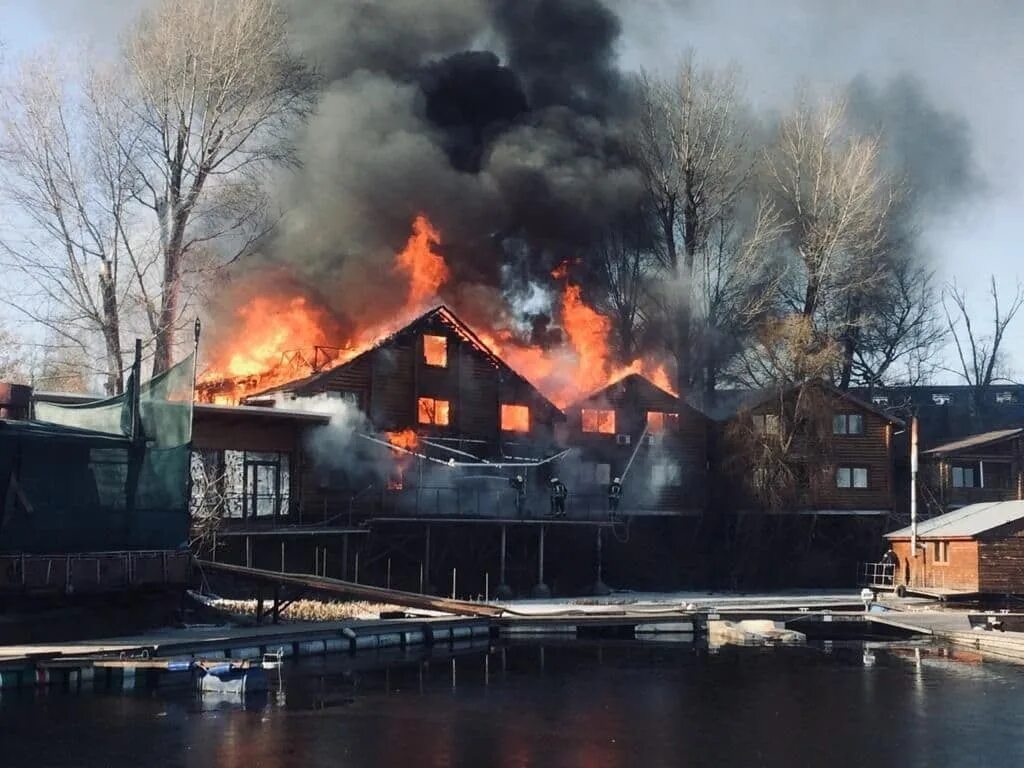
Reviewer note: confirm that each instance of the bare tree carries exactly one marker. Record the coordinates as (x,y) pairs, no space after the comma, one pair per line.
(835,198)
(623,259)
(690,147)
(900,338)
(14,367)
(980,353)
(738,281)
(218,94)
(66,180)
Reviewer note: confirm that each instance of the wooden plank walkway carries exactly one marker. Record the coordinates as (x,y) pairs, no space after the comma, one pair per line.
(352,589)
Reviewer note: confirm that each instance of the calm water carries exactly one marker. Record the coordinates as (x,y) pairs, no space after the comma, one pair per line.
(557,705)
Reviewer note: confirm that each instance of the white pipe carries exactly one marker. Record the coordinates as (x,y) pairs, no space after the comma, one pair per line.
(913,487)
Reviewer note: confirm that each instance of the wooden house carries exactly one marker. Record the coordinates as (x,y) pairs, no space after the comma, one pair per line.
(634,430)
(978,468)
(440,392)
(814,447)
(977,549)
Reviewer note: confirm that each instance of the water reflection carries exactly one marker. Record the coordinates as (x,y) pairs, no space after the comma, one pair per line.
(570,703)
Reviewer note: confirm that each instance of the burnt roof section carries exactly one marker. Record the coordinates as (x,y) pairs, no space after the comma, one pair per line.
(975,441)
(966,522)
(440,313)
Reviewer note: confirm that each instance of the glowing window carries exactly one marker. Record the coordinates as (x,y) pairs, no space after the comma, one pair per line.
(435,351)
(659,421)
(515,418)
(433,411)
(595,420)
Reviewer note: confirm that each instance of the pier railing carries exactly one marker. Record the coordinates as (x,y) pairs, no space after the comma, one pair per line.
(878,575)
(93,572)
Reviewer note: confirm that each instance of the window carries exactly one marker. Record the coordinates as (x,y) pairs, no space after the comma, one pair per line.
(880,400)
(766,423)
(432,411)
(659,421)
(515,418)
(435,351)
(1006,398)
(964,475)
(940,551)
(848,424)
(942,399)
(600,421)
(852,477)
(667,473)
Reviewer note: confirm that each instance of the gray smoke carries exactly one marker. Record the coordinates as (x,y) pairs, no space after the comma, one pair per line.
(502,121)
(505,122)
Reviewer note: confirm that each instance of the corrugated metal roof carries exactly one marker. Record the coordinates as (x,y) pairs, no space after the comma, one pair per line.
(971,520)
(975,441)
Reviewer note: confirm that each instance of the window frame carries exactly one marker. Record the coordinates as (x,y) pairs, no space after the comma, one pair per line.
(963,471)
(597,411)
(426,358)
(851,473)
(664,421)
(842,424)
(433,422)
(501,418)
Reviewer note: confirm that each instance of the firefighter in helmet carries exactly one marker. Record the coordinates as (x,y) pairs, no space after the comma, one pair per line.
(518,486)
(559,493)
(614,495)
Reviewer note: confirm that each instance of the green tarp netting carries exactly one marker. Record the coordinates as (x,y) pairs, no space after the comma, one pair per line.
(75,480)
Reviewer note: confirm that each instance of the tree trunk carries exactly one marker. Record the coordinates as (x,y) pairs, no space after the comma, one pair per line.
(111,331)
(169,302)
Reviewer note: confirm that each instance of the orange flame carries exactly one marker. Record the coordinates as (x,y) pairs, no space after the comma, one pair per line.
(275,337)
(407,439)
(426,270)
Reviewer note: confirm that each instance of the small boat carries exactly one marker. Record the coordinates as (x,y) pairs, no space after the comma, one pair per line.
(236,677)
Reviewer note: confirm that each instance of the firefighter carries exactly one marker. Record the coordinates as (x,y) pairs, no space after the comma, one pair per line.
(559,493)
(518,485)
(614,494)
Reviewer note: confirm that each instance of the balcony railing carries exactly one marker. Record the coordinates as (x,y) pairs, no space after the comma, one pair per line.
(339,509)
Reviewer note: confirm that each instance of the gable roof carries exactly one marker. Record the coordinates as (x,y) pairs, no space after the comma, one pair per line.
(966,522)
(743,400)
(638,385)
(440,313)
(975,441)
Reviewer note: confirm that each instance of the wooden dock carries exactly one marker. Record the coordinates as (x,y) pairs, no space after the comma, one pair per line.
(158,657)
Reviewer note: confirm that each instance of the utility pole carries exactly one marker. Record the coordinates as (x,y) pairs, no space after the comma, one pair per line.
(913,487)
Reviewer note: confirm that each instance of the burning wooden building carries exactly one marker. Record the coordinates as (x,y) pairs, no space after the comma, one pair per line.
(645,436)
(441,424)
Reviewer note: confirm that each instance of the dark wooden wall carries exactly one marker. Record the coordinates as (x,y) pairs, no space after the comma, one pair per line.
(1001,561)
(871,450)
(685,444)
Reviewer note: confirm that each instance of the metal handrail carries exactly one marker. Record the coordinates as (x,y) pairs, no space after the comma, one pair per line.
(878,575)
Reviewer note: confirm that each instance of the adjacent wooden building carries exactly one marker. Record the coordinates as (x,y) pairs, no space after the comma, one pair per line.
(809,449)
(637,431)
(977,468)
(977,549)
